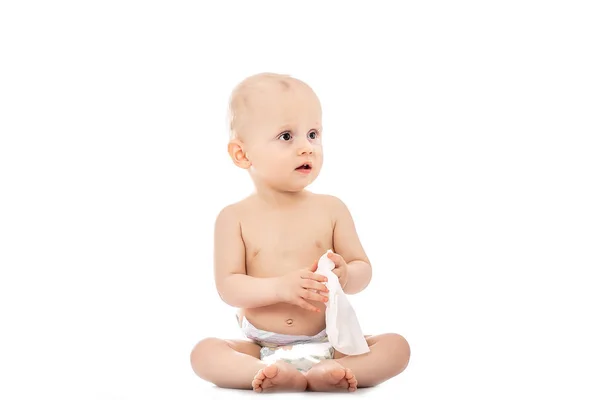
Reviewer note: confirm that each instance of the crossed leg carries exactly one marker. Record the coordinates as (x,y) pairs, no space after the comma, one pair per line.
(236,364)
(388,356)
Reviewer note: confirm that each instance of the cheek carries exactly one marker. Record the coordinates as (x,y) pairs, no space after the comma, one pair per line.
(279,162)
(318,161)
(268,157)
(318,151)
(273,164)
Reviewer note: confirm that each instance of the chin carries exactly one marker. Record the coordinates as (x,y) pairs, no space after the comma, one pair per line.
(298,188)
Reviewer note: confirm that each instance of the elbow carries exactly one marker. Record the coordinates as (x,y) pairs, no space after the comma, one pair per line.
(230,292)
(367,277)
(361,275)
(228,298)
(223,297)
(225,294)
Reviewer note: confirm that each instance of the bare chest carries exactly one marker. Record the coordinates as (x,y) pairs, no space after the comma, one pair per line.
(279,242)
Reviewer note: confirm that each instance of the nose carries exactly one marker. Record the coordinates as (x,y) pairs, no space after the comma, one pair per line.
(305,147)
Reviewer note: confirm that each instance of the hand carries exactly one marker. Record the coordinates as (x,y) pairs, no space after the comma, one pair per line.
(341,268)
(299,286)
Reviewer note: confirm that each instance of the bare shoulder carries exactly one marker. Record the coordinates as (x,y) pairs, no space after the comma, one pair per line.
(227,215)
(232,213)
(334,204)
(228,222)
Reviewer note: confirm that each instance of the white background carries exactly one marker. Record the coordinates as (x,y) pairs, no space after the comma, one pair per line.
(462,135)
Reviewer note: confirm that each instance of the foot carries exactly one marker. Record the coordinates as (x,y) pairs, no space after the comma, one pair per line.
(329,376)
(279,376)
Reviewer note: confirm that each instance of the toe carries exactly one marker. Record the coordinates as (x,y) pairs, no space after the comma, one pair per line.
(337,375)
(260,375)
(256,381)
(348,374)
(256,385)
(270,371)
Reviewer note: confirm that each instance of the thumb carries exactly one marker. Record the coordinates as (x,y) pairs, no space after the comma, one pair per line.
(314,266)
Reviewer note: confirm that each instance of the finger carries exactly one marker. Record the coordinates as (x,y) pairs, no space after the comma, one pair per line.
(315,277)
(306,305)
(308,295)
(338,260)
(310,284)
(331,256)
(313,267)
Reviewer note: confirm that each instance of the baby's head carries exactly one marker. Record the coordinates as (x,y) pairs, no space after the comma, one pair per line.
(275,129)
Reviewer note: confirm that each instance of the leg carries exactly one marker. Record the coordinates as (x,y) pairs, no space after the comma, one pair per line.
(388,357)
(236,364)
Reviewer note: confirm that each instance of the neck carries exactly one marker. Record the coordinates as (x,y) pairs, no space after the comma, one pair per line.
(277,198)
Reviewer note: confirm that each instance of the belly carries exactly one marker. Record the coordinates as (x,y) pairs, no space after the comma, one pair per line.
(286,318)
(275,247)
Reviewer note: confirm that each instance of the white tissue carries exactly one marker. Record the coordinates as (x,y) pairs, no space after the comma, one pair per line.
(342,327)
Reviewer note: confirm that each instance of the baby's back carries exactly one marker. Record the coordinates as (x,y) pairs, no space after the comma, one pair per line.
(280,240)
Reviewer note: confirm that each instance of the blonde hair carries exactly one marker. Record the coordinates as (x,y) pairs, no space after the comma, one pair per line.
(240,96)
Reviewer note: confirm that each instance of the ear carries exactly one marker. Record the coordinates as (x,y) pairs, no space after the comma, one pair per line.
(237,154)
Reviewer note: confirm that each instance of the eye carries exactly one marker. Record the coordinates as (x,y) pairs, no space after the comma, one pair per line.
(313,135)
(285,136)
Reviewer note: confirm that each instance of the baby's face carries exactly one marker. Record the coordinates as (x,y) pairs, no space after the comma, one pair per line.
(282,130)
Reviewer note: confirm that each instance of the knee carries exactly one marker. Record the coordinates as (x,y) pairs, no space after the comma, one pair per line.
(198,357)
(399,351)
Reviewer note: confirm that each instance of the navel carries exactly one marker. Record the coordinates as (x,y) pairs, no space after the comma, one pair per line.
(289,322)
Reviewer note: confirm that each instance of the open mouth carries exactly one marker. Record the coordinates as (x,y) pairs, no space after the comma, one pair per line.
(304,167)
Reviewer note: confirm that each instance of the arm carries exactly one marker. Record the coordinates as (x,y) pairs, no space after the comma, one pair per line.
(233,285)
(347,244)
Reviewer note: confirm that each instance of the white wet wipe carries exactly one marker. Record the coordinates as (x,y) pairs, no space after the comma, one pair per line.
(342,326)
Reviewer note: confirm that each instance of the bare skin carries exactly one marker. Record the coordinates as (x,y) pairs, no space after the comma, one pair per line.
(265,252)
(280,376)
(212,360)
(330,376)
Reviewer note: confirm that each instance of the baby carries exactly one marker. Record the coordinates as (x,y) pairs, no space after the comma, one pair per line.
(266,250)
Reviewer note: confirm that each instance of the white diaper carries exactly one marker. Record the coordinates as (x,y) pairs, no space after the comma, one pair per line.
(303,352)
